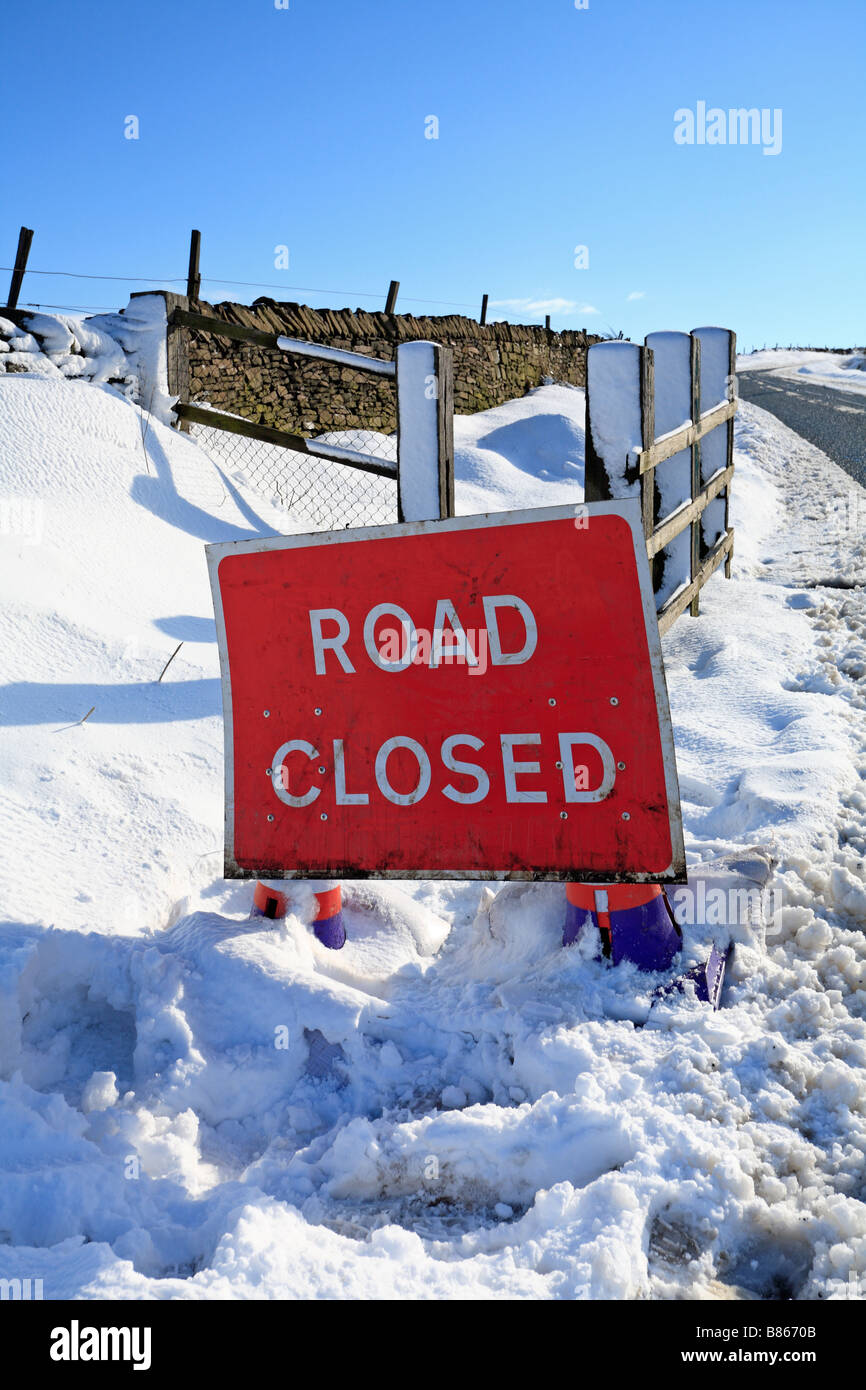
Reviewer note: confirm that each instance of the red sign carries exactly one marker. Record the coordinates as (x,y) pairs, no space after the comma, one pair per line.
(479,697)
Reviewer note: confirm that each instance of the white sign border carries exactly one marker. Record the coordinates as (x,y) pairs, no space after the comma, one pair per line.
(629,510)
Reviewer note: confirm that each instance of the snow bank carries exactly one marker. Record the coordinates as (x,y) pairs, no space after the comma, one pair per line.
(196,1106)
(102,568)
(126,350)
(528,453)
(844,371)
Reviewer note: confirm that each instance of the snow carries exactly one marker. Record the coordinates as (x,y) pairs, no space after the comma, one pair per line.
(843,371)
(613,371)
(715,388)
(672,355)
(358,360)
(197,1105)
(91,614)
(528,453)
(126,349)
(418,409)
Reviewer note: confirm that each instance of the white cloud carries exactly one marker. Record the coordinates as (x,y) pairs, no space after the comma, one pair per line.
(636,294)
(544,306)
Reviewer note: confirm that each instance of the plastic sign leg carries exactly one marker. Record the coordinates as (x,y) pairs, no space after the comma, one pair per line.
(268,902)
(633,919)
(328,922)
(327,909)
(635,923)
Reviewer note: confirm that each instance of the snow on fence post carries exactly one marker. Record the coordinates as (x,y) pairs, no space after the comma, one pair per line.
(648,490)
(176,352)
(663,405)
(695,527)
(620,424)
(613,420)
(676,357)
(425,432)
(717,385)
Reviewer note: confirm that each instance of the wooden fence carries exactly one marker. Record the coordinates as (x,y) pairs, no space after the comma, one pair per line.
(654,420)
(654,417)
(423,375)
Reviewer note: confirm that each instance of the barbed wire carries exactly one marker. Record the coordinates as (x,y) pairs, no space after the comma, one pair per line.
(71,308)
(249,284)
(75,275)
(159,280)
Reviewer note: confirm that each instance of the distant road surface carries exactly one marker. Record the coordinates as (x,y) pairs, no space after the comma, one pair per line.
(834,421)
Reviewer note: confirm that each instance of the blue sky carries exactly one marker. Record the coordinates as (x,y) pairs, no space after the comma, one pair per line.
(305,127)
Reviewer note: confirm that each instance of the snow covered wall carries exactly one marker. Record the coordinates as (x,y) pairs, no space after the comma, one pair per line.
(126,350)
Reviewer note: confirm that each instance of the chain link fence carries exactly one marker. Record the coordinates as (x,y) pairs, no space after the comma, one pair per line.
(321,494)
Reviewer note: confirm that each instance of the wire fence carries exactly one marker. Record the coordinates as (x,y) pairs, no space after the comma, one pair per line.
(161,281)
(525,311)
(380,448)
(319,493)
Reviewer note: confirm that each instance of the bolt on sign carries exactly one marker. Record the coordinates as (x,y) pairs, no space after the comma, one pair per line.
(479,697)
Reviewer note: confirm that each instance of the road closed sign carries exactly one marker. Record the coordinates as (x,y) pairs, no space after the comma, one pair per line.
(479,697)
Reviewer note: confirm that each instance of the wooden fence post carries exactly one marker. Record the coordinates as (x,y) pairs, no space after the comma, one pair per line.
(732,391)
(193,279)
(483,318)
(632,429)
(614,421)
(718,365)
(695,528)
(674,483)
(25,238)
(177,353)
(648,434)
(391,301)
(425,432)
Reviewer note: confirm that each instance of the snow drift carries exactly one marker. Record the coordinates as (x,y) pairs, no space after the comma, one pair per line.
(193,1105)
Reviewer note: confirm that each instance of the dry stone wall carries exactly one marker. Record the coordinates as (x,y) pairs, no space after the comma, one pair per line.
(492,364)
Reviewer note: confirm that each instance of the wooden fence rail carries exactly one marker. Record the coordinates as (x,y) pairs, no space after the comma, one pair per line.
(423,374)
(197,415)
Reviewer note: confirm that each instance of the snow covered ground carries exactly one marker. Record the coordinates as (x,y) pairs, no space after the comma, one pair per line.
(846,371)
(193,1105)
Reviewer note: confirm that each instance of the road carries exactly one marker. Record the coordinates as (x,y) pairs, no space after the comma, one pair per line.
(835,421)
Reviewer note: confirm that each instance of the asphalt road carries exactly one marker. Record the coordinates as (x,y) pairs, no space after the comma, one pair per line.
(835,421)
